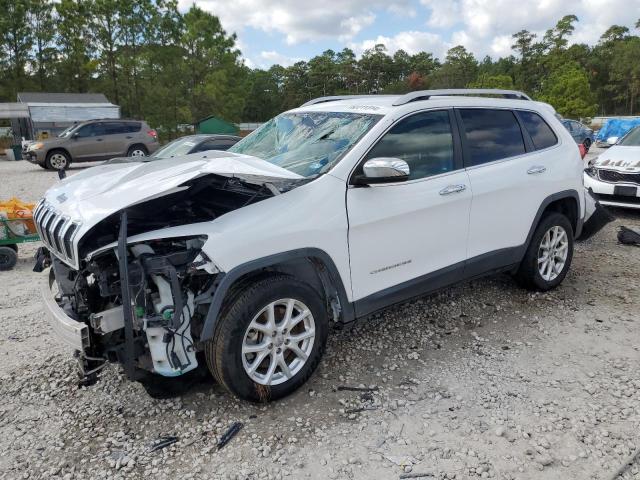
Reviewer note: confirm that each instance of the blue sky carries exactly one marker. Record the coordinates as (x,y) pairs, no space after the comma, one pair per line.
(284,31)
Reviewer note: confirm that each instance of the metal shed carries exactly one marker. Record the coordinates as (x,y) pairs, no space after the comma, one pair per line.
(51,113)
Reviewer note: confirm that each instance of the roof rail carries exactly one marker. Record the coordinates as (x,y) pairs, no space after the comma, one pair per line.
(426,94)
(335,98)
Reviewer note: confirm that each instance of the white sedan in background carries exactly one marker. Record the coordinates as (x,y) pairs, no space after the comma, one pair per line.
(614,176)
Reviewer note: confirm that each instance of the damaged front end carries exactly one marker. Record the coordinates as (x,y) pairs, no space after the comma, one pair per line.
(141,303)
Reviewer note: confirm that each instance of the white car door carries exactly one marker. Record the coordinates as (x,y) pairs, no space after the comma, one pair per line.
(409,236)
(510,178)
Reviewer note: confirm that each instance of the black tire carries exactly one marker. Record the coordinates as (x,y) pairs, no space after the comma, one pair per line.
(13,246)
(224,351)
(57,160)
(137,148)
(587,143)
(528,274)
(8,258)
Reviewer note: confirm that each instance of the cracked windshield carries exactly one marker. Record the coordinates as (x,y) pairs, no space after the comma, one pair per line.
(306,143)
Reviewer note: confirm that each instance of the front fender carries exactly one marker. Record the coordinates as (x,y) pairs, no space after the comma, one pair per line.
(230,278)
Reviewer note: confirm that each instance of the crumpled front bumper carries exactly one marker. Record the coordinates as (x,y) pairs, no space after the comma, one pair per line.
(70,331)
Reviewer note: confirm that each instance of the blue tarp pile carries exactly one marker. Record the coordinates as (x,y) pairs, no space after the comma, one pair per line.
(616,128)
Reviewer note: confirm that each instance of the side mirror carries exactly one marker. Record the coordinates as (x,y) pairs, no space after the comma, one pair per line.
(383,170)
(612,140)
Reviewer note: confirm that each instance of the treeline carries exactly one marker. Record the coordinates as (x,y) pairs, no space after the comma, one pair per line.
(171,67)
(578,80)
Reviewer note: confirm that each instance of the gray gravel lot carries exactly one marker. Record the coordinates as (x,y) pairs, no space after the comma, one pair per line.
(483,380)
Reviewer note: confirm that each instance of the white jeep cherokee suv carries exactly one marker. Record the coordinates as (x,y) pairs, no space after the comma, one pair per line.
(326,213)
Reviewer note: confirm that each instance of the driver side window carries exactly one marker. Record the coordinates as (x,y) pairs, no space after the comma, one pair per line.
(423,140)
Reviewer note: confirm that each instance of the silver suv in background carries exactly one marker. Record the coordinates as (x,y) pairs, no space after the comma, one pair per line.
(94,140)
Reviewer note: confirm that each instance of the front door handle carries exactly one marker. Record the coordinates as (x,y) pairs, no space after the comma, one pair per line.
(448,190)
(536,169)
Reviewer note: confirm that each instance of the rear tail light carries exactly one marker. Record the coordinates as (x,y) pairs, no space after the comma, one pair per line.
(153,133)
(583,150)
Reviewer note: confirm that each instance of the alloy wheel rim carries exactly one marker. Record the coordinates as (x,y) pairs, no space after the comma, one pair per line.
(58,161)
(138,153)
(553,253)
(278,342)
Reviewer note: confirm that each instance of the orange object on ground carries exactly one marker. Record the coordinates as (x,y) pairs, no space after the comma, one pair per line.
(16,209)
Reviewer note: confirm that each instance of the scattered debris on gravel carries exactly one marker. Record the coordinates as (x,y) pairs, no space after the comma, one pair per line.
(483,380)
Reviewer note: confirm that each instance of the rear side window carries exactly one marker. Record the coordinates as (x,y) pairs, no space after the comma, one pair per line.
(539,131)
(132,127)
(114,128)
(423,140)
(491,135)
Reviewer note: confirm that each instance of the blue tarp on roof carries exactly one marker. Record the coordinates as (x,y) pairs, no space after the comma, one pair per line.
(616,128)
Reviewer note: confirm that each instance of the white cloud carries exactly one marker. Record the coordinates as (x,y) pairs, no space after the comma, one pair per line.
(353,25)
(271,57)
(297,20)
(485,26)
(411,42)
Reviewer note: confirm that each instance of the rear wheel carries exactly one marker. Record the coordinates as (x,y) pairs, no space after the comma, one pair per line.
(137,151)
(8,258)
(269,339)
(57,160)
(548,257)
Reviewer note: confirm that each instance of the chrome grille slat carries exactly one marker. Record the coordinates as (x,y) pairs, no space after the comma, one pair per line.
(56,231)
(63,231)
(45,222)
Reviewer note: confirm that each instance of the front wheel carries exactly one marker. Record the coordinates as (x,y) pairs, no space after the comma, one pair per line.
(57,160)
(269,339)
(548,256)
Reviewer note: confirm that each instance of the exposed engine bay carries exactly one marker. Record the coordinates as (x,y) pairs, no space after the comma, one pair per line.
(167,283)
(145,304)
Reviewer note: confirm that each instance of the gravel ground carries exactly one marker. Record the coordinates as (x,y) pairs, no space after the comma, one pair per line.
(483,380)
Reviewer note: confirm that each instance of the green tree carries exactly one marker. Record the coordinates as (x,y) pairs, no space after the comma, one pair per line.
(556,38)
(42,24)
(16,41)
(492,81)
(459,68)
(74,41)
(107,31)
(215,77)
(567,89)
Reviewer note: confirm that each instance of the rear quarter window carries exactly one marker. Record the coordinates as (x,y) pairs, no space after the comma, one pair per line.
(133,127)
(540,132)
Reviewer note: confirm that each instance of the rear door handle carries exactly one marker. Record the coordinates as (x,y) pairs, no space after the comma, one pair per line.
(448,190)
(128,137)
(536,169)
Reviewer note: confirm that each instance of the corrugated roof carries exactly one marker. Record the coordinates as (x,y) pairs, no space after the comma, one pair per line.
(64,98)
(13,110)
